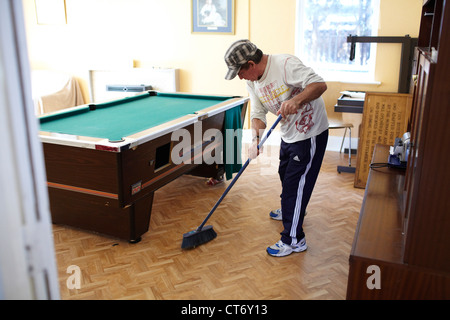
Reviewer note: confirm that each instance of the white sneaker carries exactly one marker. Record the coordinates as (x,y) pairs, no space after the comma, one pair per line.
(277,214)
(281,249)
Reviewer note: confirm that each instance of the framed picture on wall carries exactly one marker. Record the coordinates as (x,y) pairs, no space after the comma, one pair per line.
(213,16)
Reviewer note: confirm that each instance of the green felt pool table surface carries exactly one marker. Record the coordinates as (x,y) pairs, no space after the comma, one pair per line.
(120,118)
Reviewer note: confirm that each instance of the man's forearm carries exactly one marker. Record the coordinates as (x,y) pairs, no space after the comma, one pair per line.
(258,127)
(310,93)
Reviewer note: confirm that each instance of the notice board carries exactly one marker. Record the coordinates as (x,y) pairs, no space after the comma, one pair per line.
(385,117)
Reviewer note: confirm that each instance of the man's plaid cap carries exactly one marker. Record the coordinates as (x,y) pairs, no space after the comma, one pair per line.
(237,55)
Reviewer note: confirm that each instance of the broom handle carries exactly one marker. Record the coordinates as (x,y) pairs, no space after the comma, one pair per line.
(239,174)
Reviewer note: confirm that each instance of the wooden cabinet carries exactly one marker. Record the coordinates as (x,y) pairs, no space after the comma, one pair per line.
(418,233)
(427,187)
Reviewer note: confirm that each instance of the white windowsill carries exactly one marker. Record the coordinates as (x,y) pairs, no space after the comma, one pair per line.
(376,83)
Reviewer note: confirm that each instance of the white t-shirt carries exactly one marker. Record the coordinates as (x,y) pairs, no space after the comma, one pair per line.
(286,76)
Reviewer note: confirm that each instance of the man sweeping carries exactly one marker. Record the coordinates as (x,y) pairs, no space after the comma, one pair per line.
(283,85)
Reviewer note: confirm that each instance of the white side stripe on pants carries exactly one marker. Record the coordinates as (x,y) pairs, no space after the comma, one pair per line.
(301,185)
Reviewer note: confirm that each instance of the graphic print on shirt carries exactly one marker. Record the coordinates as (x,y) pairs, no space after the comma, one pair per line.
(270,95)
(305,123)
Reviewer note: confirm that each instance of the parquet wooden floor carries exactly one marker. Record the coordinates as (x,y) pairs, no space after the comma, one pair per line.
(235,265)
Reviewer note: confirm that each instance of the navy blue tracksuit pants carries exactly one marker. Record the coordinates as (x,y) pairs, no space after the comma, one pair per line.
(299,168)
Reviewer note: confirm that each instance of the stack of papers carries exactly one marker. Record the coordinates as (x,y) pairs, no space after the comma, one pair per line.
(354,95)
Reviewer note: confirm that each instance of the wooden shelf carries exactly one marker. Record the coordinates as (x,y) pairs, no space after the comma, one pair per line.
(379,242)
(379,231)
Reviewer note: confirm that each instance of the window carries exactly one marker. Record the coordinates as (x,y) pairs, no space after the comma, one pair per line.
(322,30)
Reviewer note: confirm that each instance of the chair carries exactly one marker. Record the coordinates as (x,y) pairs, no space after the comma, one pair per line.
(340,125)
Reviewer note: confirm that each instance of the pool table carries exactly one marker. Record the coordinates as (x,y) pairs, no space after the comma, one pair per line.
(104,161)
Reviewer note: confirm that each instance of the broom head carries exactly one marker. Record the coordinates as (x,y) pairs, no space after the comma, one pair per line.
(197,237)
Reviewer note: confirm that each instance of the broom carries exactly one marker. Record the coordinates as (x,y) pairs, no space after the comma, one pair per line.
(203,234)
